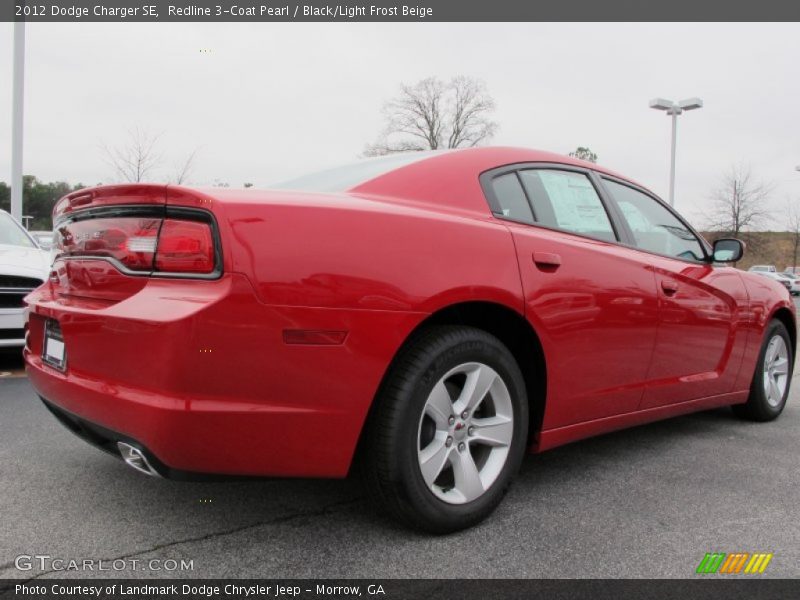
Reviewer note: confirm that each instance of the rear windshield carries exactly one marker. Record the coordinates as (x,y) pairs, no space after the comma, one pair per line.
(12,234)
(349,176)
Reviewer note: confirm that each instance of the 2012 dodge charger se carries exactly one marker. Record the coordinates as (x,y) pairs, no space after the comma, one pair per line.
(430,316)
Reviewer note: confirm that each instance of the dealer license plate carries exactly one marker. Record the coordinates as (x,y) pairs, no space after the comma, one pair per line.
(54,352)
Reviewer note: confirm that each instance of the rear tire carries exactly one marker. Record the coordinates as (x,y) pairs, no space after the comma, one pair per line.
(448,431)
(773,376)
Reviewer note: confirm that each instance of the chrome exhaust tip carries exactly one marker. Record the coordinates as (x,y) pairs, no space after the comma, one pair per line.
(135,459)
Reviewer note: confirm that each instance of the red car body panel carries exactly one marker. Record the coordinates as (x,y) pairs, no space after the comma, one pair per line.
(186,376)
(271,369)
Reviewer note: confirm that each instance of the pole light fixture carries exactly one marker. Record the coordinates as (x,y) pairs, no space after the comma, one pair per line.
(674,109)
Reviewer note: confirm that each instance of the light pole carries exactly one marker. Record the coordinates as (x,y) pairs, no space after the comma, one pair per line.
(793,224)
(16,120)
(674,109)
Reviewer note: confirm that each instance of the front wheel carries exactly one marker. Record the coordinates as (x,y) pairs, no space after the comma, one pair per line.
(449,430)
(770,387)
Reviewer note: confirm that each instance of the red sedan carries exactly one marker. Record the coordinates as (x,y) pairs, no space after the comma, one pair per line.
(430,316)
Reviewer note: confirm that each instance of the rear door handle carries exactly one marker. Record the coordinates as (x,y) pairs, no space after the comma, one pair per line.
(547,259)
(670,287)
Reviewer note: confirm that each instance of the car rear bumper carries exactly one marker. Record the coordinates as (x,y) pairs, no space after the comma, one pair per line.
(203,379)
(108,441)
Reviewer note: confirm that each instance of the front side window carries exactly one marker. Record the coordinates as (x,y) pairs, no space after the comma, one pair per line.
(655,228)
(12,233)
(567,200)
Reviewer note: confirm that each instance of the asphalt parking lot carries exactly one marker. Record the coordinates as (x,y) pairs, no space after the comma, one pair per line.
(646,502)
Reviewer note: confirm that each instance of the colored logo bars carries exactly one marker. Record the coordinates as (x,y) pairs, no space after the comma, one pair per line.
(739,562)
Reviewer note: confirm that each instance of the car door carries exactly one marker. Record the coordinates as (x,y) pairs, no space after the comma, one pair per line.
(591,300)
(700,341)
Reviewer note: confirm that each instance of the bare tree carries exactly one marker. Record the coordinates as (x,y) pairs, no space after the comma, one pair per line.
(469,112)
(584,154)
(183,171)
(739,203)
(135,160)
(433,114)
(793,223)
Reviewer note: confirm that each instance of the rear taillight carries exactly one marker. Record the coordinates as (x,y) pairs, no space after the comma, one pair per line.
(142,244)
(185,247)
(130,240)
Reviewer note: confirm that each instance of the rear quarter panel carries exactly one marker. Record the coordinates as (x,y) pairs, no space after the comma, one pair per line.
(362,253)
(371,268)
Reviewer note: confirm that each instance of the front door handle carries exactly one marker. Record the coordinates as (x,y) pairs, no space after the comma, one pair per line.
(670,287)
(547,259)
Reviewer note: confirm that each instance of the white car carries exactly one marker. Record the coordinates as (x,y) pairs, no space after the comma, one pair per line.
(23,267)
(795,279)
(785,281)
(43,238)
(763,269)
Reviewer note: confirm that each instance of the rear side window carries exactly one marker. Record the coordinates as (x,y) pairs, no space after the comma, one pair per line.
(350,176)
(567,200)
(511,198)
(655,228)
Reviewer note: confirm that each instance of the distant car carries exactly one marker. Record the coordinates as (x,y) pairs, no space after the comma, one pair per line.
(763,269)
(429,317)
(23,268)
(785,281)
(43,238)
(792,270)
(795,289)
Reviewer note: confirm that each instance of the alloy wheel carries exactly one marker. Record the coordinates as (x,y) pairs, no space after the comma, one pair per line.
(465,433)
(776,370)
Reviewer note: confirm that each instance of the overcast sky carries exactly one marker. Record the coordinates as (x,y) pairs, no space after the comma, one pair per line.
(266,102)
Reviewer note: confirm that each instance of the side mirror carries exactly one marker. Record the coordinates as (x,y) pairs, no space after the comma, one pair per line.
(728,250)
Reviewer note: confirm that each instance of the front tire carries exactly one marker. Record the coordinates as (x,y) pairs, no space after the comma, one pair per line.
(449,430)
(770,387)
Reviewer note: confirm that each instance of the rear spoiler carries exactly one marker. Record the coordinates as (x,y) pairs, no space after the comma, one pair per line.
(111,195)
